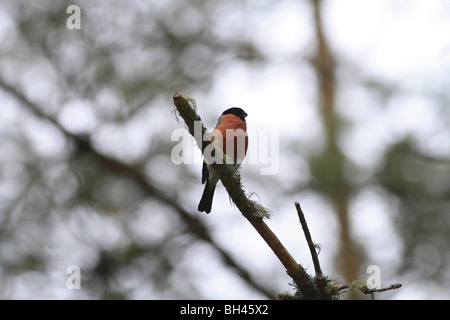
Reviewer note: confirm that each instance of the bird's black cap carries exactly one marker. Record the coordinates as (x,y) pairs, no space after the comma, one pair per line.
(237,112)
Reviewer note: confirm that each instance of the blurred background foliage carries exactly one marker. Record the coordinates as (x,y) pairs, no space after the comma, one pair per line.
(86,176)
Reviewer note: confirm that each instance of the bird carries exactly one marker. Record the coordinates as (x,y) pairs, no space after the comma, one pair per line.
(231,124)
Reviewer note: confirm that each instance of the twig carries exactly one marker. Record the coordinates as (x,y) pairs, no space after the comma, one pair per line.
(367,290)
(311,245)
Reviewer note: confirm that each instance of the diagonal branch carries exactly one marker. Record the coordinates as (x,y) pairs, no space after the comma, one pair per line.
(252,211)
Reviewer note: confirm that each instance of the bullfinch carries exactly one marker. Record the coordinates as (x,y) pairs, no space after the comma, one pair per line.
(231,125)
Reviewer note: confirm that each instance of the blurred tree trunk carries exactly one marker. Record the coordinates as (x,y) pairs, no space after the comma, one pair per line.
(329,167)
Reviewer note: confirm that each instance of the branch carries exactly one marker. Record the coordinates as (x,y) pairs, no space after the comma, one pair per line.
(367,290)
(311,245)
(362,286)
(252,211)
(319,287)
(230,179)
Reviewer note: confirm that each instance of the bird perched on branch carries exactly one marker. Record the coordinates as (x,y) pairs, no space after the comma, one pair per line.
(230,135)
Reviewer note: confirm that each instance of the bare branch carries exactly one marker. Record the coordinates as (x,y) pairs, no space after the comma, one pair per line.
(362,286)
(251,210)
(311,245)
(367,290)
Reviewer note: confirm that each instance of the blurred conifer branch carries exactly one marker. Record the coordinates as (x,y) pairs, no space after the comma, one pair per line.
(81,144)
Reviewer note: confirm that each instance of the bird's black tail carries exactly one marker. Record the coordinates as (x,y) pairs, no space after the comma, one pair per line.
(207,198)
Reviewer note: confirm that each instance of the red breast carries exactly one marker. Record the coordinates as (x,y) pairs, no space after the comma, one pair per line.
(232,127)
